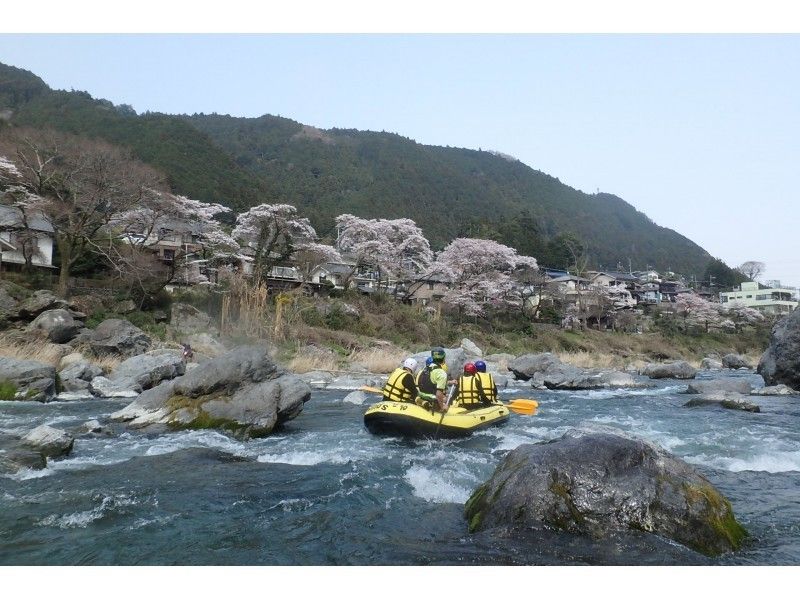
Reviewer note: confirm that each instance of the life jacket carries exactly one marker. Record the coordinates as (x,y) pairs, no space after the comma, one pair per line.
(489,387)
(394,389)
(469,392)
(424,382)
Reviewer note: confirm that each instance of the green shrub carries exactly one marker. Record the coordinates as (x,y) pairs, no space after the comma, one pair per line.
(8,390)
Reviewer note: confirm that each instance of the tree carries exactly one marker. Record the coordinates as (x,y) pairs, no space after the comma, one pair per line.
(742,316)
(721,275)
(310,256)
(482,275)
(79,185)
(392,247)
(697,311)
(752,270)
(274,232)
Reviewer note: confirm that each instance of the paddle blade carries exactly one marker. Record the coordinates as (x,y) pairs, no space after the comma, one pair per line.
(524,403)
(371,389)
(522,410)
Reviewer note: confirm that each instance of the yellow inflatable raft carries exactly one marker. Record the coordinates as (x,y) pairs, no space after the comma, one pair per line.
(394,418)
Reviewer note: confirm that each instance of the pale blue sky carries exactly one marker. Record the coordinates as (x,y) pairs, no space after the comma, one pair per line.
(699,132)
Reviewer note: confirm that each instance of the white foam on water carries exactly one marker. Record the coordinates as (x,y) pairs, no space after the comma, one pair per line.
(306,458)
(159,520)
(84,518)
(774,462)
(434,486)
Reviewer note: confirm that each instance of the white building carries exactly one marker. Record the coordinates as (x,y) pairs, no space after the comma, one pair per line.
(770,300)
(17,239)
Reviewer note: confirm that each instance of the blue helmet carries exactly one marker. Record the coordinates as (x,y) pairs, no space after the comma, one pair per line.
(429,362)
(480,366)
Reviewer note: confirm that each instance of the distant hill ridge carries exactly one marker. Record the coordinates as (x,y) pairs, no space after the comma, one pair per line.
(450,192)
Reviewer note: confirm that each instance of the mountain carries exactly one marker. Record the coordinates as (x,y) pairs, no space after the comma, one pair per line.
(449,191)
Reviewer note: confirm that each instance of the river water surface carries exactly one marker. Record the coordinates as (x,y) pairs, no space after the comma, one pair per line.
(323,491)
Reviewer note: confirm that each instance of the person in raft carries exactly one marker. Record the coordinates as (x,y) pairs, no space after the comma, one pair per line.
(486,380)
(470,393)
(401,386)
(432,381)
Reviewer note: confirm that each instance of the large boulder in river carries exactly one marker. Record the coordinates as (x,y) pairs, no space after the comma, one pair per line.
(58,324)
(709,363)
(599,481)
(25,380)
(568,377)
(735,385)
(780,363)
(525,366)
(118,337)
(242,392)
(50,442)
(681,370)
(141,372)
(734,361)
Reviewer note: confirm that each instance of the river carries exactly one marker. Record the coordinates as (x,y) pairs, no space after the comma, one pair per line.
(323,491)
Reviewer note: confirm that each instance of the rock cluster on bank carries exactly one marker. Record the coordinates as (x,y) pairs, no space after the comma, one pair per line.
(242,392)
(600,480)
(545,370)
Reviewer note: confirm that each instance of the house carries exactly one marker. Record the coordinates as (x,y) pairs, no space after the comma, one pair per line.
(22,235)
(770,300)
(620,286)
(647,294)
(423,291)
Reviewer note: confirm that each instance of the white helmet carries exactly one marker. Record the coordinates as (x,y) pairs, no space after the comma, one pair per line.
(411,364)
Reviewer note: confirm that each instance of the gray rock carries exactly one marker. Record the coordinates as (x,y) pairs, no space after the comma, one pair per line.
(470,348)
(355,382)
(780,363)
(567,377)
(15,456)
(58,324)
(775,391)
(242,392)
(119,337)
(734,361)
(38,302)
(315,378)
(204,345)
(71,359)
(680,370)
(725,400)
(83,338)
(187,319)
(160,316)
(50,442)
(737,385)
(598,481)
(525,366)
(92,427)
(9,305)
(710,364)
(31,380)
(76,377)
(145,371)
(125,307)
(104,388)
(454,358)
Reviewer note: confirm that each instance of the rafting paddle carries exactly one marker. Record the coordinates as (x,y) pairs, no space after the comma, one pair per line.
(519,406)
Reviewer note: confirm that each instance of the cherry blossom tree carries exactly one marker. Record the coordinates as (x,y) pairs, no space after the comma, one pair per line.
(741,315)
(309,256)
(481,274)
(274,232)
(395,248)
(698,312)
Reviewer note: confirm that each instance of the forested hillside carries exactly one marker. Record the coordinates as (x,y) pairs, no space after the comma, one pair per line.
(448,191)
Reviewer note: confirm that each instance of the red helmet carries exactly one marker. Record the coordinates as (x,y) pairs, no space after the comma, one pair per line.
(469,368)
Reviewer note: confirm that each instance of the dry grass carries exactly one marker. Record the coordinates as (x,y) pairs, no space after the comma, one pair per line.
(309,362)
(378,360)
(584,359)
(30,349)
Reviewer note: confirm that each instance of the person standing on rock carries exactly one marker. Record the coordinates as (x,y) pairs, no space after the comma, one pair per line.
(187,352)
(486,380)
(401,386)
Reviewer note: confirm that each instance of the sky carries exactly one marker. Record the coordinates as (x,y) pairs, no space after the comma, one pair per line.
(701,132)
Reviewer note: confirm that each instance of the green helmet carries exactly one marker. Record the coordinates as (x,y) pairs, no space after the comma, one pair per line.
(437,354)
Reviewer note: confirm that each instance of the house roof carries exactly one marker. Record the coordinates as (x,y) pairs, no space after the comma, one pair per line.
(569,278)
(11,217)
